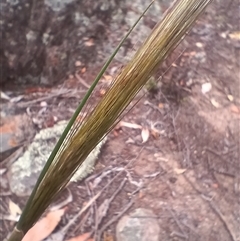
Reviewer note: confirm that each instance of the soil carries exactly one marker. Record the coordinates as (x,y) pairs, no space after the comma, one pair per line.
(188,171)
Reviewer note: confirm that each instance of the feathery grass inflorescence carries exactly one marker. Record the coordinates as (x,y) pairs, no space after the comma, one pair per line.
(165,37)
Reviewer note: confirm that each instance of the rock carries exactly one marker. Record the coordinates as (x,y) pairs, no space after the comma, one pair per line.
(42,40)
(140,225)
(14,131)
(24,172)
(4,69)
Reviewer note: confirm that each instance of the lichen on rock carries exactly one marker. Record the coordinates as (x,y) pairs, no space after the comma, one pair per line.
(24,172)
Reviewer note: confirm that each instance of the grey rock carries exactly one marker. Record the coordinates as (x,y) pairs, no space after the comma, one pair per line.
(24,172)
(15,130)
(57,5)
(41,40)
(201,57)
(140,225)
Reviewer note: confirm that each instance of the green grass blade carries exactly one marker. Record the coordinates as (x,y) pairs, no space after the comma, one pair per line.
(71,122)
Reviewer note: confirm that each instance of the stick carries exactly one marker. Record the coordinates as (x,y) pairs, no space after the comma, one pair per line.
(82,81)
(91,201)
(114,219)
(215,209)
(178,223)
(31,102)
(99,218)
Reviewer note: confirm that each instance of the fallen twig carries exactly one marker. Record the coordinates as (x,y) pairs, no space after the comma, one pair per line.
(137,190)
(213,170)
(13,157)
(113,219)
(153,175)
(153,106)
(130,179)
(82,222)
(65,229)
(8,193)
(92,200)
(103,208)
(223,219)
(183,234)
(90,194)
(215,210)
(190,227)
(82,81)
(100,177)
(218,154)
(50,96)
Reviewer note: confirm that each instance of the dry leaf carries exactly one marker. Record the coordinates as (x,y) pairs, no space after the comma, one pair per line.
(89,42)
(108,78)
(215,185)
(130,141)
(129,125)
(230,97)
(215,103)
(179,170)
(115,133)
(4,96)
(160,105)
(102,92)
(223,34)
(82,237)
(140,195)
(83,70)
(2,171)
(190,54)
(107,237)
(16,99)
(14,208)
(145,134)
(199,45)
(43,228)
(155,133)
(78,63)
(182,82)
(235,109)
(235,35)
(206,87)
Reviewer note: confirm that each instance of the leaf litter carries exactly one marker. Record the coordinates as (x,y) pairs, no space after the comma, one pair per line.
(82,237)
(43,228)
(14,208)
